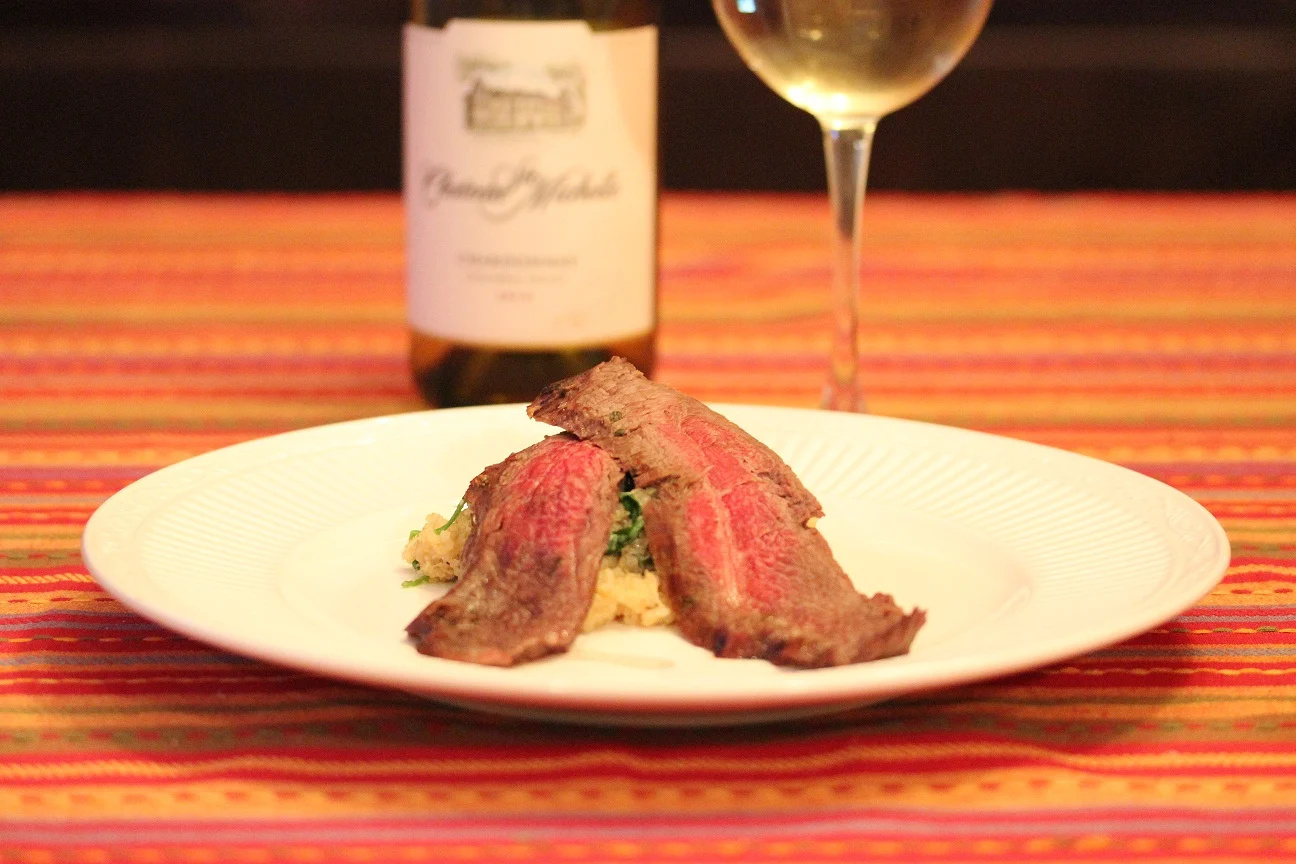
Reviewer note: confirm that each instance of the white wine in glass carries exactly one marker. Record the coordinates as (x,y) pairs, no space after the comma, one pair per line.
(849,63)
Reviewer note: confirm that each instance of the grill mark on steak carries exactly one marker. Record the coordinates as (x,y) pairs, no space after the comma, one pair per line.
(744,574)
(541,522)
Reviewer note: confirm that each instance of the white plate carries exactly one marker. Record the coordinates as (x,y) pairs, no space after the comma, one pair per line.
(288,549)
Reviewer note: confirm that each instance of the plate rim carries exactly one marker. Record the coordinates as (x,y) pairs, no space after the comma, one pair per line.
(916,675)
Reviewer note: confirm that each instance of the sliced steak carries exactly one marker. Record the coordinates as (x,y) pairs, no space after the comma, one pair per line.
(541,522)
(744,573)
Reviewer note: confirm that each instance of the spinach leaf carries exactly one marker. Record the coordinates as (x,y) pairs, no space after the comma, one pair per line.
(453,516)
(624,536)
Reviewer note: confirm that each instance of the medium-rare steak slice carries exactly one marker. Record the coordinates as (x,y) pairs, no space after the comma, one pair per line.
(744,573)
(541,520)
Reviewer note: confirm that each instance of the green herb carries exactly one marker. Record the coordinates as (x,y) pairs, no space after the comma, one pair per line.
(623,537)
(453,517)
(615,416)
(414,534)
(414,583)
(620,433)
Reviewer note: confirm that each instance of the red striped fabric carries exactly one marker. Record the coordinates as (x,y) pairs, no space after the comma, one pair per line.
(1158,332)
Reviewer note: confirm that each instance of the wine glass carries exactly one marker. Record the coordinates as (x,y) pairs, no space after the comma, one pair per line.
(850,62)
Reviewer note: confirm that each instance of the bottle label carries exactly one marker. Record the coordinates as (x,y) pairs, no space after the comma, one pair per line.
(530,182)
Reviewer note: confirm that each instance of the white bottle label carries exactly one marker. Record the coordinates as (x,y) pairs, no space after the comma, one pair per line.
(530,182)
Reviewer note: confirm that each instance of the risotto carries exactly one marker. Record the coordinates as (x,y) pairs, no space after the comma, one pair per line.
(628,589)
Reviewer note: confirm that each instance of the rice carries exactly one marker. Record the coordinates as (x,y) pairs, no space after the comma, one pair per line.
(438,557)
(628,590)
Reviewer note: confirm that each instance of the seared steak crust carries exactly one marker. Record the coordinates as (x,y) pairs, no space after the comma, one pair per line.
(541,522)
(744,574)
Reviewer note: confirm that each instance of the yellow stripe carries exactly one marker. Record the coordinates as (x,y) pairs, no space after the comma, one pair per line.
(93,458)
(1252,594)
(1250,709)
(1252,654)
(1202,631)
(712,305)
(87,659)
(121,717)
(1261,568)
(1183,692)
(198,705)
(1149,851)
(780,337)
(1017,339)
(980,790)
(40,532)
(165,410)
(145,679)
(103,603)
(45,598)
(88,711)
(43,579)
(1194,453)
(1061,408)
(1061,307)
(22,539)
(653,764)
(179,670)
(1273,523)
(356,343)
(304,311)
(1166,670)
(1262,536)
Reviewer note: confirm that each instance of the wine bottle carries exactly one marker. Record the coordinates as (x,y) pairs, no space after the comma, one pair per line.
(530,171)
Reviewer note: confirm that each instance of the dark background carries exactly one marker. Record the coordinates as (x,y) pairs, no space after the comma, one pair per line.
(305,95)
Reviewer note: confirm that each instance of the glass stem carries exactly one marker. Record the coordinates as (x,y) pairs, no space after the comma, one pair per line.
(846,147)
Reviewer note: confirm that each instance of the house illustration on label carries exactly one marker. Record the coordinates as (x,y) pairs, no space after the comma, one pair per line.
(500,97)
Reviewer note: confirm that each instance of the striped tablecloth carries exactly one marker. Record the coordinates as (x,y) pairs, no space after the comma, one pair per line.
(1157,332)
